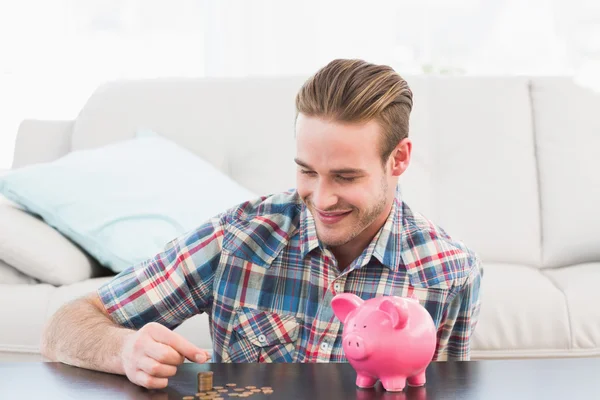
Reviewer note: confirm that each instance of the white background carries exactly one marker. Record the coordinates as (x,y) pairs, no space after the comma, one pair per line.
(53,54)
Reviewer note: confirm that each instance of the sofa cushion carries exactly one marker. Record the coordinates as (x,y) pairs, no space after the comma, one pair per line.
(39,251)
(530,312)
(473,169)
(525,312)
(244,127)
(123,202)
(11,275)
(568,138)
(24,319)
(23,322)
(474,145)
(579,284)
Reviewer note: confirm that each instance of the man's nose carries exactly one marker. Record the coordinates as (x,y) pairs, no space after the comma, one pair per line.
(323,197)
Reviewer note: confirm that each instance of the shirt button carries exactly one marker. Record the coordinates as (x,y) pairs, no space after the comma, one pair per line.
(262,338)
(337,287)
(324,346)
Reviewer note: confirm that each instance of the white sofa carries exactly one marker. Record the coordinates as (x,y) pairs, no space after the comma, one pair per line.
(508,164)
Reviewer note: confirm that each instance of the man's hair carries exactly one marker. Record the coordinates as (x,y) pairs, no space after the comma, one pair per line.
(356,91)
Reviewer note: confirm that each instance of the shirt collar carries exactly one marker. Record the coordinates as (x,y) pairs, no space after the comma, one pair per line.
(388,241)
(385,246)
(308,232)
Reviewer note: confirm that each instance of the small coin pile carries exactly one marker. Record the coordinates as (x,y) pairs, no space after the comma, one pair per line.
(207,391)
(205,381)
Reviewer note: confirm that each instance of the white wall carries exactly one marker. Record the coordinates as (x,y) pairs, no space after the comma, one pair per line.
(54,53)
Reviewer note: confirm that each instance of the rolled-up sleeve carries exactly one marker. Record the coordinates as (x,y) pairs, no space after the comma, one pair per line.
(170,287)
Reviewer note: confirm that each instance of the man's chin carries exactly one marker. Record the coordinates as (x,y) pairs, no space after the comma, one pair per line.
(333,241)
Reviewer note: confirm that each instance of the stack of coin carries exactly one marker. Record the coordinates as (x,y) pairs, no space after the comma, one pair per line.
(205,381)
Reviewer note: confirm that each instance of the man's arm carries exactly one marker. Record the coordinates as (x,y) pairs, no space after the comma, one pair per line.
(125,327)
(456,333)
(82,334)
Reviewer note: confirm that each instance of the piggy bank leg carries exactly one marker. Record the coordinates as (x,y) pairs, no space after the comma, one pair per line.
(365,381)
(417,380)
(394,383)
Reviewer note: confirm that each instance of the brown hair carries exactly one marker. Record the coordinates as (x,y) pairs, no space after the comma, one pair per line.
(358,91)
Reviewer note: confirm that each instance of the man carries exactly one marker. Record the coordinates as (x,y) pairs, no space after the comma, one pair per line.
(266,270)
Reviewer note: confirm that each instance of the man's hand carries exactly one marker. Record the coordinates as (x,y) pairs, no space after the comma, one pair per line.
(151,355)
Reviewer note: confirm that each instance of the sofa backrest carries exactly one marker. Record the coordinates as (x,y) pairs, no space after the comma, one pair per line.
(567,133)
(488,161)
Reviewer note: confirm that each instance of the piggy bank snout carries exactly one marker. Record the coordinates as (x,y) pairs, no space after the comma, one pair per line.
(355,346)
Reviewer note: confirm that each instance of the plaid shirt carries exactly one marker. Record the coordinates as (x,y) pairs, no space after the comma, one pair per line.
(266,281)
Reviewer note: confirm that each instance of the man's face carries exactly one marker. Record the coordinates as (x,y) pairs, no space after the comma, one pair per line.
(340,177)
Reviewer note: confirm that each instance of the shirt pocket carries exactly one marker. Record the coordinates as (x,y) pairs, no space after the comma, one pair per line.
(263,336)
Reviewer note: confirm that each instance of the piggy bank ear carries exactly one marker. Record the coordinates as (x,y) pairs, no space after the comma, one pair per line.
(344,303)
(398,312)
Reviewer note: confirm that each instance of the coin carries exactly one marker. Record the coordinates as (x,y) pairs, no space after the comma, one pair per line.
(250,387)
(188,397)
(231,385)
(255,390)
(205,381)
(266,388)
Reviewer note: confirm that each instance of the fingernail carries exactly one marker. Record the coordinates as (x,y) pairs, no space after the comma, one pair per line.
(200,358)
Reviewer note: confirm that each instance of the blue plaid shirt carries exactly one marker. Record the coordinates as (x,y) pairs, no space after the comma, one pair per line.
(266,281)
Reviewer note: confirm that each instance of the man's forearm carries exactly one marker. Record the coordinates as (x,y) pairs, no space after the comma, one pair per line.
(79,334)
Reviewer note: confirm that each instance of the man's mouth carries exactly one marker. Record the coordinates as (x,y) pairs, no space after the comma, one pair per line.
(332,217)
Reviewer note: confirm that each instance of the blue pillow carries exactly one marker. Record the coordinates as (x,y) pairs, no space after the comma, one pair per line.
(123,202)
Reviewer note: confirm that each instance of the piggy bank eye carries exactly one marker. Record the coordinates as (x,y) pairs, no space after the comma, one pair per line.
(364,326)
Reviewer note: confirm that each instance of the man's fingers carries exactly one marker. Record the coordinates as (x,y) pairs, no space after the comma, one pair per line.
(166,336)
(156,369)
(141,378)
(164,354)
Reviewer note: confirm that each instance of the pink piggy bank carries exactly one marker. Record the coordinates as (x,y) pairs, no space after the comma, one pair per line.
(389,338)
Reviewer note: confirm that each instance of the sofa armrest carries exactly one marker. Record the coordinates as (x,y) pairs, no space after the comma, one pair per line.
(42,141)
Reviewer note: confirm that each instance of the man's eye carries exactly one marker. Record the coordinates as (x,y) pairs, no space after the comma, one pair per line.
(305,172)
(345,179)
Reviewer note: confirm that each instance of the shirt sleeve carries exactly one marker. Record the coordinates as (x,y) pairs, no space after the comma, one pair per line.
(171,287)
(456,333)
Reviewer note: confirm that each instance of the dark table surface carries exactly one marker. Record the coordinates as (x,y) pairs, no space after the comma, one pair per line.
(506,379)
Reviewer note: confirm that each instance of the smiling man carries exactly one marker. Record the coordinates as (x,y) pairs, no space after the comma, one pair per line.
(266,270)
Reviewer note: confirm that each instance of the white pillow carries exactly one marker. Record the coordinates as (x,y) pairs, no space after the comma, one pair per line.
(11,276)
(39,251)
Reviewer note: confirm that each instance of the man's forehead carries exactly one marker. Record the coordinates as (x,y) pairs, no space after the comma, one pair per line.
(337,147)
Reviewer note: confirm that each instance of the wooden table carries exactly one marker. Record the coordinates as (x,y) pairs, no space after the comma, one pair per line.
(514,379)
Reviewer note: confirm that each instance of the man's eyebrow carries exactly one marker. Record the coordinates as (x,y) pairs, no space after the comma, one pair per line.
(333,171)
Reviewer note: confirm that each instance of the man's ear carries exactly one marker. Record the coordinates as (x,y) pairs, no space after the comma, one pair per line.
(344,303)
(401,157)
